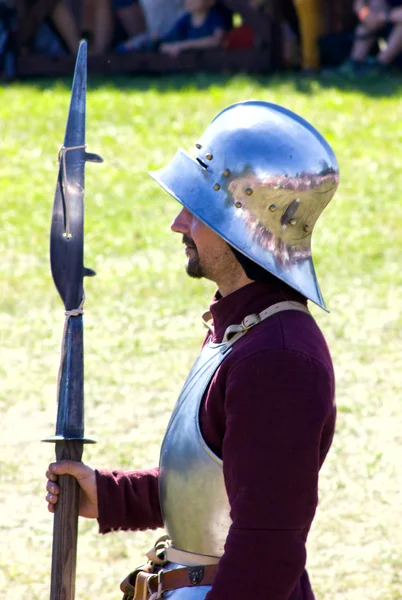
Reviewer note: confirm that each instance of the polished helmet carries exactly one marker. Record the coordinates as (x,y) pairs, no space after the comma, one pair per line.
(260,178)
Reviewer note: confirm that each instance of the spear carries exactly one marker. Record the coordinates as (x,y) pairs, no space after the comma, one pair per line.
(68,271)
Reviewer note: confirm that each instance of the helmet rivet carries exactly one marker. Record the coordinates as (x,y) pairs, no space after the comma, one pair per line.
(217,187)
(226,173)
(292,222)
(238,204)
(209,156)
(307,228)
(249,191)
(198,146)
(272,208)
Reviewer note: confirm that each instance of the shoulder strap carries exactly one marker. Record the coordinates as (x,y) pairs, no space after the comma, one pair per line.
(235,332)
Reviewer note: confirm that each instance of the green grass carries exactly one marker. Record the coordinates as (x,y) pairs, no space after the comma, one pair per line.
(142,327)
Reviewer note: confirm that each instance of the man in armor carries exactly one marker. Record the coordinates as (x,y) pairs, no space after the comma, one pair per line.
(237,484)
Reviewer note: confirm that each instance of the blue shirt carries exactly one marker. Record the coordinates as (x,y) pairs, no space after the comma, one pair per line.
(184,29)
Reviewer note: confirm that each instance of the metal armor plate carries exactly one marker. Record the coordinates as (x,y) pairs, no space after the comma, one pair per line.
(193,496)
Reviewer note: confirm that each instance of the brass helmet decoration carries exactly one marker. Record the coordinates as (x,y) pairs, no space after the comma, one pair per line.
(260,179)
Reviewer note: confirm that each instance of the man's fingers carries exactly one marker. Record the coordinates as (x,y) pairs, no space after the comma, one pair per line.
(66,467)
(52,488)
(51,498)
(86,479)
(51,476)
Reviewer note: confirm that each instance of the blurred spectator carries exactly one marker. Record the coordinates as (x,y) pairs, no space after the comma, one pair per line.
(96,24)
(291,57)
(159,16)
(379,19)
(58,33)
(242,36)
(245,36)
(291,54)
(239,38)
(310,16)
(340,23)
(62,31)
(200,27)
(131,16)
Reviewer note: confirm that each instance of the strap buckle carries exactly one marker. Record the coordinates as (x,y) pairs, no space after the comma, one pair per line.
(158,594)
(250,321)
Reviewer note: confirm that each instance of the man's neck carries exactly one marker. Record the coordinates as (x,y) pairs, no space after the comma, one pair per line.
(227,288)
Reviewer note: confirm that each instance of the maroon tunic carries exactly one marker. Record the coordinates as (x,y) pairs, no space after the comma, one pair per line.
(269,413)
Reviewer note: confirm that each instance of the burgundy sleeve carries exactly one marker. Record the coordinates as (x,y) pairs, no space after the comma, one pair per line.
(128,500)
(279,406)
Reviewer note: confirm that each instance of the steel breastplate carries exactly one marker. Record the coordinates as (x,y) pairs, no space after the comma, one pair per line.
(193,496)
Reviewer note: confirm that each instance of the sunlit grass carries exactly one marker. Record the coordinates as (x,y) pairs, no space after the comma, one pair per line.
(142,327)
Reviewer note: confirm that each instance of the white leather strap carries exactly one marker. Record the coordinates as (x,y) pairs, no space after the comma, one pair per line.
(250,321)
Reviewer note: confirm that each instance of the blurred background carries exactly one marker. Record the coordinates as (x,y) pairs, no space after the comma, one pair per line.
(41,37)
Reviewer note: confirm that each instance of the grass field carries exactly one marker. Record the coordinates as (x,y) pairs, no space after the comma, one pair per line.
(142,327)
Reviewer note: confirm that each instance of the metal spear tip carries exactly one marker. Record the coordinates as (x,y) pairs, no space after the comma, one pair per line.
(75,129)
(82,55)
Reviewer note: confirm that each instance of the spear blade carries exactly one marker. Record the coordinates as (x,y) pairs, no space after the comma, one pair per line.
(68,271)
(66,236)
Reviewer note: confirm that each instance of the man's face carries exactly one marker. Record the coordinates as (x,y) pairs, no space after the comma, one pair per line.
(208,255)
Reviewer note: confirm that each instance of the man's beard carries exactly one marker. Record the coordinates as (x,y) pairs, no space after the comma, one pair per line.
(193,266)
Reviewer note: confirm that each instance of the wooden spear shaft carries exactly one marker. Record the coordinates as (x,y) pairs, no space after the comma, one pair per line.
(65,527)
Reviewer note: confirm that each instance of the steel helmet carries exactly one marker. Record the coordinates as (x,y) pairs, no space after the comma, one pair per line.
(260,178)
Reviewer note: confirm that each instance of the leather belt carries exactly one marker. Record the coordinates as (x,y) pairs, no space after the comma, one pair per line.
(147,585)
(183,577)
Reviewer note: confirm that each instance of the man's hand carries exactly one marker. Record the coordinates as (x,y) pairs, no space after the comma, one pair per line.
(86,479)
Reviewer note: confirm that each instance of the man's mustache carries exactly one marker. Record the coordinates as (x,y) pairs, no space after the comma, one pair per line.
(188,241)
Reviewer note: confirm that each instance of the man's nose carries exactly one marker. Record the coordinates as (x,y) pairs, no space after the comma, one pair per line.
(181,222)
